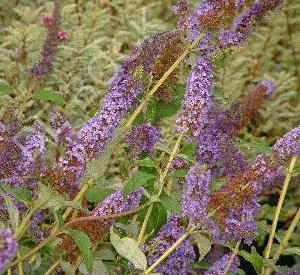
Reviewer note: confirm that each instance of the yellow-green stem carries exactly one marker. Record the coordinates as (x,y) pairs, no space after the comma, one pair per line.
(79,196)
(279,206)
(9,271)
(25,223)
(144,226)
(288,234)
(170,162)
(285,240)
(175,245)
(20,265)
(53,267)
(162,80)
(58,231)
(233,255)
(169,251)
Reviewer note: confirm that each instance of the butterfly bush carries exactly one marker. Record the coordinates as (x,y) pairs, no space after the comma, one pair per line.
(224,214)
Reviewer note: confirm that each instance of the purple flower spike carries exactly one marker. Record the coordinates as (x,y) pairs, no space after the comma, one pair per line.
(289,145)
(45,65)
(8,247)
(198,97)
(121,96)
(219,266)
(142,138)
(116,203)
(179,260)
(196,197)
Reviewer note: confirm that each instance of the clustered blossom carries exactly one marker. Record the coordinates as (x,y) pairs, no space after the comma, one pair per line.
(116,203)
(288,145)
(245,23)
(196,196)
(142,138)
(219,266)
(178,262)
(198,97)
(22,154)
(121,96)
(37,230)
(113,204)
(237,200)
(62,129)
(45,65)
(216,146)
(8,247)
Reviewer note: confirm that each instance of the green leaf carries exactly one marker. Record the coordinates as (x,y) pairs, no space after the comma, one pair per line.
(189,149)
(19,193)
(241,272)
(98,193)
(170,203)
(49,198)
(203,243)
(13,212)
(180,173)
(254,258)
(129,249)
(291,251)
(158,218)
(67,268)
(83,242)
(105,254)
(99,268)
(48,95)
(147,162)
(138,179)
(5,89)
(152,110)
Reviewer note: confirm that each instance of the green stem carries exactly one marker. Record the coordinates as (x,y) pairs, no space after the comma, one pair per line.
(20,265)
(53,267)
(160,185)
(175,245)
(77,198)
(279,206)
(25,223)
(145,223)
(170,162)
(57,232)
(234,253)
(287,235)
(169,250)
(285,240)
(162,80)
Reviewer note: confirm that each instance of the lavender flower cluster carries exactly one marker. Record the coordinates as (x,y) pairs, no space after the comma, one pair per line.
(8,247)
(178,262)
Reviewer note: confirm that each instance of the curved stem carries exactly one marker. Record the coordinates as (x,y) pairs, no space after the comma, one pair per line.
(57,232)
(234,253)
(279,206)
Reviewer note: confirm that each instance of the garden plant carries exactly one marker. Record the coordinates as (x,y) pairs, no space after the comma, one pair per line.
(149,137)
